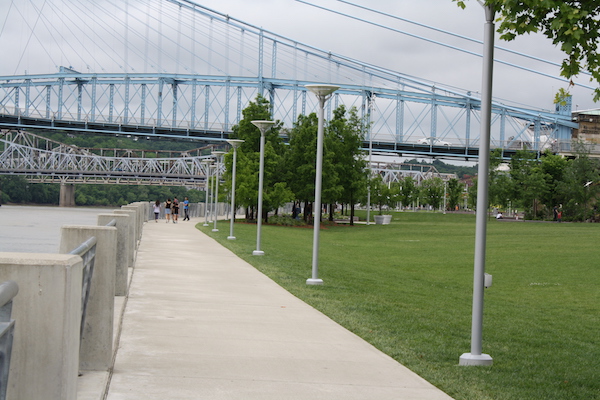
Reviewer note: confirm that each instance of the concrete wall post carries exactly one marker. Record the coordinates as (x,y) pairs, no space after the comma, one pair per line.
(132,232)
(124,252)
(138,218)
(96,343)
(47,311)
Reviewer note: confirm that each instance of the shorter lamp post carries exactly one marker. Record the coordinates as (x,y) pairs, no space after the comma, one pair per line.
(217,155)
(262,126)
(323,92)
(235,144)
(206,197)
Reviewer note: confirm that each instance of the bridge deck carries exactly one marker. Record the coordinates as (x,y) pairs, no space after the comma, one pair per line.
(200,323)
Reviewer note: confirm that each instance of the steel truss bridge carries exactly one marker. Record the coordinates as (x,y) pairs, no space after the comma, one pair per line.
(229,62)
(41,160)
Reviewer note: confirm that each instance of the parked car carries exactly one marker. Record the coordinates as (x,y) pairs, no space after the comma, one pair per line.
(433,142)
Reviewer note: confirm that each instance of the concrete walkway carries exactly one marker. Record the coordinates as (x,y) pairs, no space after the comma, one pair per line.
(200,323)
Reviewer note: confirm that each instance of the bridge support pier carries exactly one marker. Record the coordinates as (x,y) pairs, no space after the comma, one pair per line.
(67,195)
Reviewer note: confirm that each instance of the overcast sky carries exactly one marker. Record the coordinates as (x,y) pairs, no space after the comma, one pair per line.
(342,35)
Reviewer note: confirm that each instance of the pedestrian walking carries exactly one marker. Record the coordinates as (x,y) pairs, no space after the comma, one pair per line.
(168,205)
(175,209)
(186,209)
(156,207)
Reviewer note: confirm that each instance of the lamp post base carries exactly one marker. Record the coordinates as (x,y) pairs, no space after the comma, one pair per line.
(230,237)
(215,230)
(204,224)
(312,281)
(470,359)
(258,253)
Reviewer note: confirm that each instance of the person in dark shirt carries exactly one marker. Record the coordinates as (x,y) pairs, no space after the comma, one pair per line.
(168,205)
(175,210)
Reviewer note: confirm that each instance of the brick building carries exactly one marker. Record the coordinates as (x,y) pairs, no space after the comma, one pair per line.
(589,125)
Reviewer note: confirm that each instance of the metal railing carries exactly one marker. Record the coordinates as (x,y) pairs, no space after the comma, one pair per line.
(87,251)
(8,290)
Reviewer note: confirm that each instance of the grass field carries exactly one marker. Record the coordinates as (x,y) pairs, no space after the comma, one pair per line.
(407,289)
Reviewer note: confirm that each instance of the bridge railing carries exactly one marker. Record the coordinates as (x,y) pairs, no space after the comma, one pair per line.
(87,252)
(8,290)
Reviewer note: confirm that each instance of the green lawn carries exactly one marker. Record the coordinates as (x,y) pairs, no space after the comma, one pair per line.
(407,289)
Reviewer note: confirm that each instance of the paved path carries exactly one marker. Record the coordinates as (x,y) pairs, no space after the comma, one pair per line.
(200,323)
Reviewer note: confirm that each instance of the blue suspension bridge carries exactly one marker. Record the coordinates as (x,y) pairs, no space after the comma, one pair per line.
(178,70)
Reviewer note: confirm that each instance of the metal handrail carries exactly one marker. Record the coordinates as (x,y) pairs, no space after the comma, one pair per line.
(8,290)
(87,251)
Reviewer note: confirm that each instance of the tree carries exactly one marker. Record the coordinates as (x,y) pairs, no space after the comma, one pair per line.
(572,25)
(345,135)
(381,194)
(275,192)
(454,193)
(433,192)
(529,183)
(553,166)
(408,191)
(579,186)
(301,160)
(472,195)
(500,184)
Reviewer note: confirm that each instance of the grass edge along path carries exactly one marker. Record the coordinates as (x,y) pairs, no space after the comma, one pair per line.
(406,288)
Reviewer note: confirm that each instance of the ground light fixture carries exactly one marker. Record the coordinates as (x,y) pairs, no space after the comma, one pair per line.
(217,155)
(323,93)
(235,143)
(476,357)
(262,126)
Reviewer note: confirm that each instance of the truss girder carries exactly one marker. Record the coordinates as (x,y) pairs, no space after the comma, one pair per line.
(208,107)
(395,172)
(47,161)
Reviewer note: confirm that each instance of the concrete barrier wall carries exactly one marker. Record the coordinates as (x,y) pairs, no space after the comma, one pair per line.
(96,343)
(47,311)
(47,350)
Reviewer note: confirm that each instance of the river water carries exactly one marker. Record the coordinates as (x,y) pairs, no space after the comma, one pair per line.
(33,229)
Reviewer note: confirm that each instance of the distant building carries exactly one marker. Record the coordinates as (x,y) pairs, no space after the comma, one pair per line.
(589,125)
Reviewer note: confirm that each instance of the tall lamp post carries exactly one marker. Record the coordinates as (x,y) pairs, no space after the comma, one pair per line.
(235,144)
(323,93)
(476,357)
(217,155)
(206,197)
(262,126)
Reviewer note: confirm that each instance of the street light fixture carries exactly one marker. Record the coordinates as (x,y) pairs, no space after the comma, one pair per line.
(262,126)
(323,93)
(235,143)
(206,192)
(476,357)
(217,155)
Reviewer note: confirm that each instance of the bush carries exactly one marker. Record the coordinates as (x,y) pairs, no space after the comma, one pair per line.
(286,220)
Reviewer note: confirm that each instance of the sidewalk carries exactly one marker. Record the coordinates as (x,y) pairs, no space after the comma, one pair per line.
(200,323)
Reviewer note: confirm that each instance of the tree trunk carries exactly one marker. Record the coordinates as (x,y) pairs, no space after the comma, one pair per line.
(351,210)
